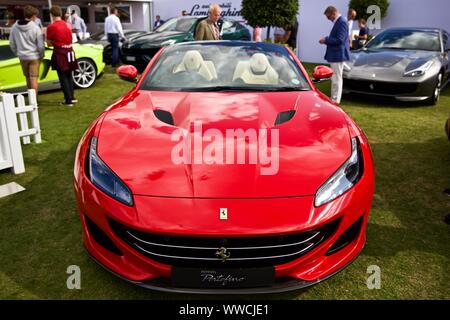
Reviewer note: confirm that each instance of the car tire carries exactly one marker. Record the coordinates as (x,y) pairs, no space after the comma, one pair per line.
(107,54)
(86,75)
(447,128)
(434,99)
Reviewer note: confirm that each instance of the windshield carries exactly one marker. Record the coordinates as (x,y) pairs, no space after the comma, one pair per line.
(407,40)
(177,24)
(225,66)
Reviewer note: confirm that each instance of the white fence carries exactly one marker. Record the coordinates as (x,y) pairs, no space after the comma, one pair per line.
(15,125)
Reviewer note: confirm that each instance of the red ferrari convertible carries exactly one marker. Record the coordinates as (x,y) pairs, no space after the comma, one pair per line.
(224,171)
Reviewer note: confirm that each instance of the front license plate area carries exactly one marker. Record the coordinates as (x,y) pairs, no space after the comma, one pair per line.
(223,278)
(130,58)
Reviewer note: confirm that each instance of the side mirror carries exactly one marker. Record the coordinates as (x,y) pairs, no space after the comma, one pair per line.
(322,73)
(127,73)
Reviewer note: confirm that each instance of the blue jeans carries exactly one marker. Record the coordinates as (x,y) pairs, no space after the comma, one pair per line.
(113,38)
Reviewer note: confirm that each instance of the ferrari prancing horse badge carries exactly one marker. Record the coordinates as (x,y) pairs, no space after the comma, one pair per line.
(223,213)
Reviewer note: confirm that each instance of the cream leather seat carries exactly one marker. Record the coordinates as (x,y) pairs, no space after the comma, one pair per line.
(256,71)
(193,61)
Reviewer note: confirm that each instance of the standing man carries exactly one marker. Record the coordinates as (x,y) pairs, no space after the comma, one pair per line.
(39,23)
(290,37)
(158,22)
(78,26)
(114,31)
(351,16)
(257,33)
(63,59)
(209,29)
(361,38)
(278,34)
(338,50)
(27,42)
(67,19)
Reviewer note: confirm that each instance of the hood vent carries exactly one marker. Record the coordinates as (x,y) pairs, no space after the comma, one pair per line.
(284,116)
(164,116)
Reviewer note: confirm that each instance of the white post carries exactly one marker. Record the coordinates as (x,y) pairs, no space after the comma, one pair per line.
(148,19)
(50,5)
(34,115)
(5,154)
(13,134)
(23,117)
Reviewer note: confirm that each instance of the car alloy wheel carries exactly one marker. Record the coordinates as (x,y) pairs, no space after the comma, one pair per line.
(86,75)
(437,90)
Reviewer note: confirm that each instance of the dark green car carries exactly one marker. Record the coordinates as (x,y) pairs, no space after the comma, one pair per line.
(140,50)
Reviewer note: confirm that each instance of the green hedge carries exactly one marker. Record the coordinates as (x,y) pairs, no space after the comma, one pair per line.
(361,7)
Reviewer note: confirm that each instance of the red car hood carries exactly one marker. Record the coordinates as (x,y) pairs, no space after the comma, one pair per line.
(138,147)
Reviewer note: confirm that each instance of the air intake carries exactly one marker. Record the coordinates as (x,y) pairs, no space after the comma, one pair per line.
(164,116)
(347,237)
(101,237)
(284,116)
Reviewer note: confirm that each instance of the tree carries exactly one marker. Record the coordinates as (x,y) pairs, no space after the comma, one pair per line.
(361,7)
(266,13)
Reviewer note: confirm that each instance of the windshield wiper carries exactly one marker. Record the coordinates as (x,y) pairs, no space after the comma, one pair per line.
(393,48)
(287,88)
(243,89)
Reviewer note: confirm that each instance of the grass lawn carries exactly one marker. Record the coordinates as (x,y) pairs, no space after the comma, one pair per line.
(40,231)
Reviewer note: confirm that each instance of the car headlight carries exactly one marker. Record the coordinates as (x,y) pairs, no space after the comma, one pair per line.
(344,178)
(168,42)
(105,179)
(419,71)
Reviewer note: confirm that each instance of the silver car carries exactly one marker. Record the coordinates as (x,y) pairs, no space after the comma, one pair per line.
(408,64)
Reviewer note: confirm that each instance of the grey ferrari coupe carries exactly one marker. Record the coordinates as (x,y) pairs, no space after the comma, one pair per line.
(408,64)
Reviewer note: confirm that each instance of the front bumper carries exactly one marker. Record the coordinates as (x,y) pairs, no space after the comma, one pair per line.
(311,268)
(307,270)
(417,90)
(284,285)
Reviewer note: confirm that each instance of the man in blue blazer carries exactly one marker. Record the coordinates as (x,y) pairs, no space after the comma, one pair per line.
(158,22)
(338,50)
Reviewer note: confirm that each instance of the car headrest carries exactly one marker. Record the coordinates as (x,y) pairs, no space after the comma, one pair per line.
(259,63)
(257,70)
(193,61)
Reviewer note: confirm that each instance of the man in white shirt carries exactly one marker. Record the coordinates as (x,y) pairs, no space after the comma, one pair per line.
(39,23)
(114,32)
(351,16)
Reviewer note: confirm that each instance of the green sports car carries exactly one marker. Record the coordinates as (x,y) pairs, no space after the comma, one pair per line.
(141,49)
(90,60)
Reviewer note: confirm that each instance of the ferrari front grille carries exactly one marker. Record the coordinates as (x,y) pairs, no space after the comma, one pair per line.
(223,251)
(380,87)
